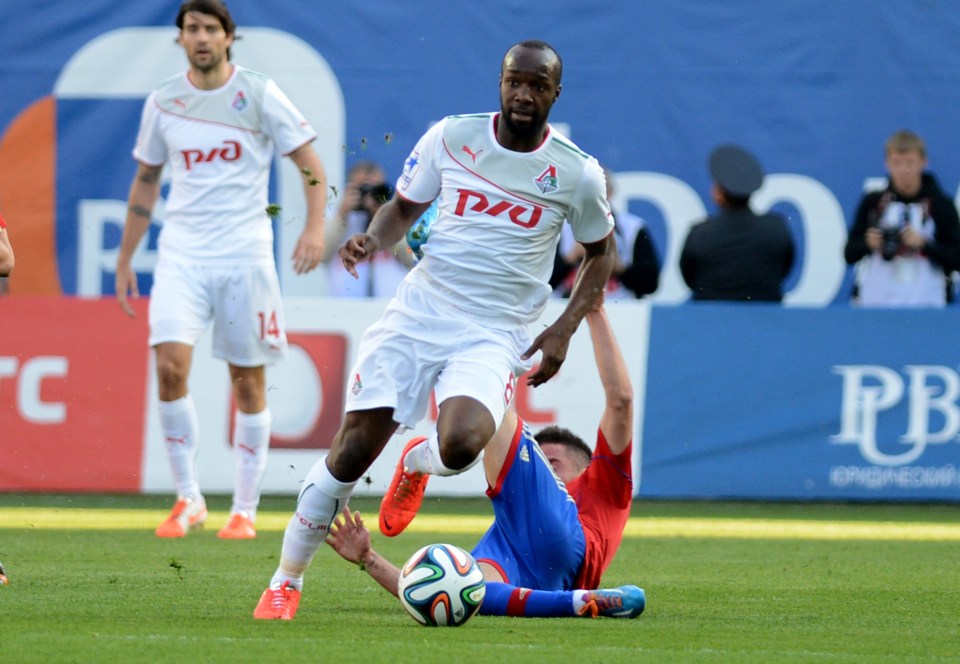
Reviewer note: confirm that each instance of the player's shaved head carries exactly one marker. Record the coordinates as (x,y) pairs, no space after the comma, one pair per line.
(551,59)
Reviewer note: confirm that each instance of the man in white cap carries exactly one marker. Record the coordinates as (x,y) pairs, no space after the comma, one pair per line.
(736,254)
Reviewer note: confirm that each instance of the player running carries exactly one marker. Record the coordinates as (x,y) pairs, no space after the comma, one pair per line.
(458,324)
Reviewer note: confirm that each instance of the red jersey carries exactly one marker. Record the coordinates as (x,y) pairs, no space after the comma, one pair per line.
(603,493)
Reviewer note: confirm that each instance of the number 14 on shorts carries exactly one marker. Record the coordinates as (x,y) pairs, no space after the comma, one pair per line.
(268,324)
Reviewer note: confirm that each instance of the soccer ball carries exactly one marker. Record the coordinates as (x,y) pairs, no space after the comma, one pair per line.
(420,231)
(441,584)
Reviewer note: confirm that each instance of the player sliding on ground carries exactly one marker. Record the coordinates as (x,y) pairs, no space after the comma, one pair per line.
(544,554)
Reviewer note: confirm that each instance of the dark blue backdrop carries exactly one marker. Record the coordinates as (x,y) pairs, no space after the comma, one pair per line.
(812,86)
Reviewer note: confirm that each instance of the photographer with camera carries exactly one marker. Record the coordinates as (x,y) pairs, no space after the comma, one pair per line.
(365,192)
(905,238)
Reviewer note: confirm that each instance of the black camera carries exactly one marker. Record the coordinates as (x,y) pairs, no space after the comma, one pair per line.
(891,243)
(381,193)
(891,236)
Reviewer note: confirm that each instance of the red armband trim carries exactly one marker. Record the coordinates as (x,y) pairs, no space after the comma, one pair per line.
(517,604)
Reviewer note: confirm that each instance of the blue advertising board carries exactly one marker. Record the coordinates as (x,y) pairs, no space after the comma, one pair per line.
(813,88)
(772,403)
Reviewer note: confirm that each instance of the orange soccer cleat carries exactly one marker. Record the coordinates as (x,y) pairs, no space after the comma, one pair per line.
(240,526)
(187,513)
(278,603)
(404,496)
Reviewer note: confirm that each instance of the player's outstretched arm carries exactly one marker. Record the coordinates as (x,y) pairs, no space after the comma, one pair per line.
(388,227)
(309,249)
(553,342)
(351,539)
(143,196)
(617,420)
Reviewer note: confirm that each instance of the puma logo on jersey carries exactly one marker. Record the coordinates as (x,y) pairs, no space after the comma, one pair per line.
(526,216)
(473,155)
(547,182)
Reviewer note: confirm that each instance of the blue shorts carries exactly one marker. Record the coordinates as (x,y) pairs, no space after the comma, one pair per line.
(536,540)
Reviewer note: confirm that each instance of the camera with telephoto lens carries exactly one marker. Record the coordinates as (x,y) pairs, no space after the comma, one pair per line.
(890,246)
(381,193)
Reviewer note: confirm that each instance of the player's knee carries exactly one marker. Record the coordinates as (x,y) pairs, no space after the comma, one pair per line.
(171,375)
(459,448)
(357,445)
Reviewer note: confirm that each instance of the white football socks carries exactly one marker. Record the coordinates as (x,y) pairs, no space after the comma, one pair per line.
(579,599)
(178,421)
(425,458)
(251,444)
(321,499)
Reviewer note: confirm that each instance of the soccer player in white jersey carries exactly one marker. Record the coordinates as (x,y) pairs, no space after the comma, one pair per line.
(216,127)
(458,325)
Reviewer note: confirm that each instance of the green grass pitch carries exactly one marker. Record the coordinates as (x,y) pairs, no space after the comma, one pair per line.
(725,582)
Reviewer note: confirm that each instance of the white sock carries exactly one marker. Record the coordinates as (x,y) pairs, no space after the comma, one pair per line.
(178,421)
(579,599)
(321,499)
(251,444)
(425,458)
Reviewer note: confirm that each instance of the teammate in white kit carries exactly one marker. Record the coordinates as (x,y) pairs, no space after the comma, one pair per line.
(217,127)
(458,324)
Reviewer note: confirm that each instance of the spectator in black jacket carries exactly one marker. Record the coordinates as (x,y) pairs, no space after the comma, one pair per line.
(637,270)
(736,254)
(906,237)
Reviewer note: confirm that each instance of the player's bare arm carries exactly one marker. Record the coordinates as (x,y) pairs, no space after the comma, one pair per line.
(144,193)
(616,423)
(553,342)
(309,249)
(387,228)
(6,254)
(351,539)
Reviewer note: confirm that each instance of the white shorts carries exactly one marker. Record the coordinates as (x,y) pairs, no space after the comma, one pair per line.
(243,302)
(419,345)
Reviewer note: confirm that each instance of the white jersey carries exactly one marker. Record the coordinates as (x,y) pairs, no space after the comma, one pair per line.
(492,247)
(219,145)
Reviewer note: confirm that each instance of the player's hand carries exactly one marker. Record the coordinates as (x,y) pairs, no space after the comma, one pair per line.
(126,282)
(309,250)
(911,239)
(553,343)
(349,537)
(874,239)
(355,249)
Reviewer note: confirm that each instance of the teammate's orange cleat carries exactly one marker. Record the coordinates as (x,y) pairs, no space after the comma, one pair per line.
(187,513)
(240,526)
(278,604)
(404,496)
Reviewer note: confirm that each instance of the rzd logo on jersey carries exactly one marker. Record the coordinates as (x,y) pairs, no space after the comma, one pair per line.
(526,216)
(229,152)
